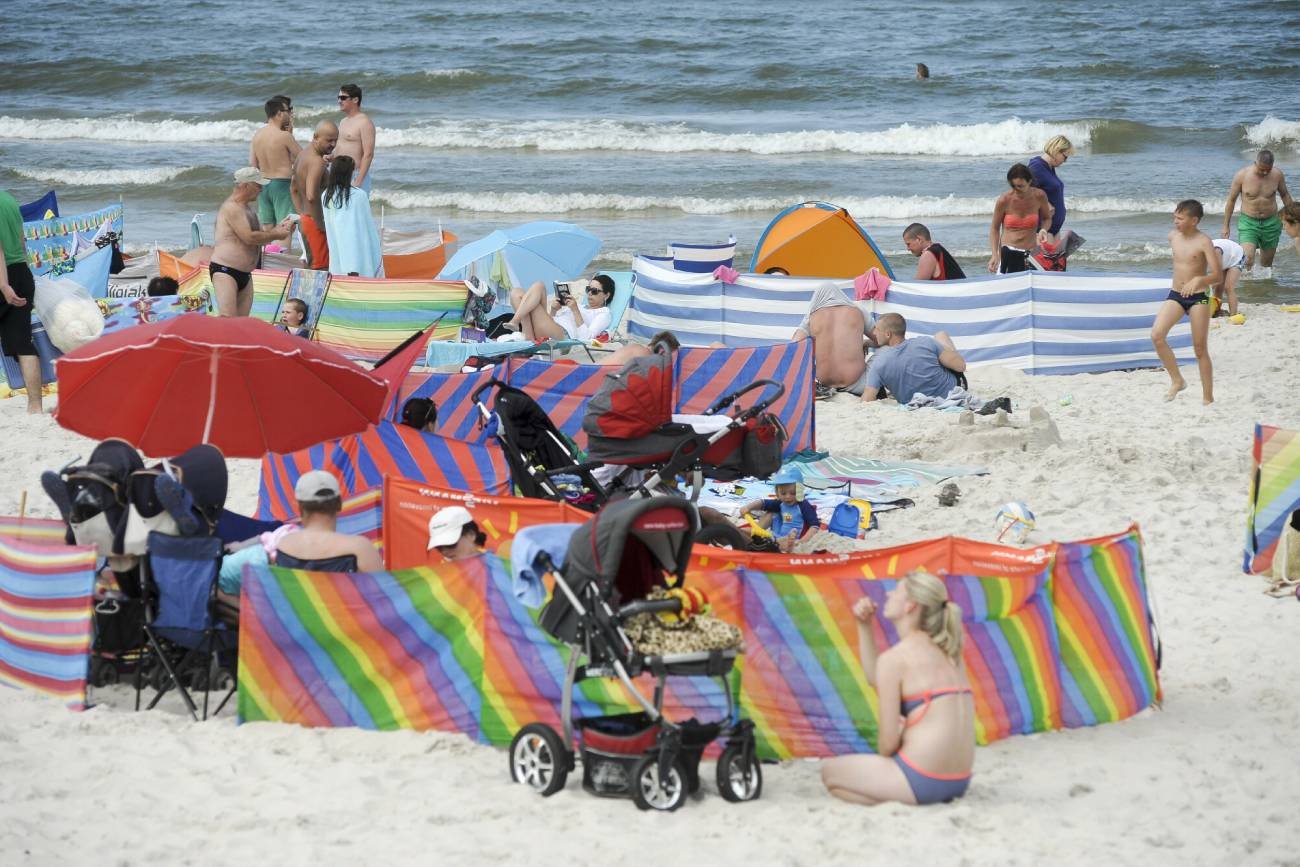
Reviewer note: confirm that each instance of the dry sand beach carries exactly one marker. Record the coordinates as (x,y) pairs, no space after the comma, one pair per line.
(1213,777)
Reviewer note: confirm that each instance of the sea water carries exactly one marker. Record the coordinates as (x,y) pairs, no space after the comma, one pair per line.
(650,122)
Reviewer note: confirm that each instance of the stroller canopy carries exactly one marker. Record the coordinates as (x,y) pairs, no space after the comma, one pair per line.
(634,401)
(630,543)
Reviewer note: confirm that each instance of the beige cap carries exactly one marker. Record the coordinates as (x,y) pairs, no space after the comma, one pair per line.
(250,175)
(446,524)
(316,486)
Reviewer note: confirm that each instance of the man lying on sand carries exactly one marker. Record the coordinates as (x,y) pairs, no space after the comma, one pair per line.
(908,367)
(1194,256)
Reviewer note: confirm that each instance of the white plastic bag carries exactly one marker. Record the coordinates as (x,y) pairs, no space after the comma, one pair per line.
(70,316)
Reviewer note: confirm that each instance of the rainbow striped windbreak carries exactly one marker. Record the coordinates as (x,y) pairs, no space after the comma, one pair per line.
(1274,494)
(46,590)
(1057,637)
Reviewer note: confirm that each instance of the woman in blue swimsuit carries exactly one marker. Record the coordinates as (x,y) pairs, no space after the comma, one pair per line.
(927,749)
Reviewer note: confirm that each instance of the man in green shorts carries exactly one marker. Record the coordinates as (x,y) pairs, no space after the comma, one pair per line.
(273,150)
(1259,227)
(17,289)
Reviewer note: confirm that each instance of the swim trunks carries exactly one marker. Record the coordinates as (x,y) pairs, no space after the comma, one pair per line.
(861,384)
(1014,260)
(318,248)
(274,202)
(1188,301)
(16,322)
(242,278)
(1263,233)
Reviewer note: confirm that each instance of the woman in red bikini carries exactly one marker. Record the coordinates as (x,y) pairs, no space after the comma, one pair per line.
(1020,220)
(927,749)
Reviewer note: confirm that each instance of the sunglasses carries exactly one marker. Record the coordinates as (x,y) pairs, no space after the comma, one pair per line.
(592,290)
(344,97)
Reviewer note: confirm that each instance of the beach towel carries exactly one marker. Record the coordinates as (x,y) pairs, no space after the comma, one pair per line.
(353,237)
(864,474)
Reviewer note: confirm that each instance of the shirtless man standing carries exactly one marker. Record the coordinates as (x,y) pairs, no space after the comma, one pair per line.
(273,150)
(305,187)
(356,135)
(1259,185)
(237,239)
(1196,268)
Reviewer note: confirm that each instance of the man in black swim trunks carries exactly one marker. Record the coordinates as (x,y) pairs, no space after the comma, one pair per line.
(1197,267)
(237,247)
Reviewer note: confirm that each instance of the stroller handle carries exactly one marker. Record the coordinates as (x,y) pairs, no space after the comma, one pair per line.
(777,389)
(484,387)
(655,606)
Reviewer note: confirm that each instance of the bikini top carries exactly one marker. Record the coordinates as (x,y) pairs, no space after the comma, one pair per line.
(922,700)
(1013,221)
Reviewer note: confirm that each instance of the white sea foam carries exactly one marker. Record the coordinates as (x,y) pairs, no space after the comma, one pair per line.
(1012,136)
(104,177)
(1274,131)
(126,129)
(902,208)
(456,72)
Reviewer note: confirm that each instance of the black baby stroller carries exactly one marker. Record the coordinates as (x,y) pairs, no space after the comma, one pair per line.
(613,562)
(543,462)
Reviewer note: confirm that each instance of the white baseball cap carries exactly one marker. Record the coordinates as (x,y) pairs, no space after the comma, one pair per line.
(250,175)
(316,486)
(446,524)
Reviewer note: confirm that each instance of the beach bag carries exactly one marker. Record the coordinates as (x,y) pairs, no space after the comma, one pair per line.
(764,442)
(70,316)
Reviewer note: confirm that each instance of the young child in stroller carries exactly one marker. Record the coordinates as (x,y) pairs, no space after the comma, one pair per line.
(617,571)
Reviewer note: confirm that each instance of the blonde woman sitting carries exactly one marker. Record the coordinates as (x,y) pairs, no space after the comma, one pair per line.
(926,749)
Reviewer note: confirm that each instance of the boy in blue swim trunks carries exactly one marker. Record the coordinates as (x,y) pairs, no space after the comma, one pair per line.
(1197,267)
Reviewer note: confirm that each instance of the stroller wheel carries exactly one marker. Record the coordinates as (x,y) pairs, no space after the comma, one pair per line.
(740,777)
(102,672)
(651,793)
(722,536)
(539,759)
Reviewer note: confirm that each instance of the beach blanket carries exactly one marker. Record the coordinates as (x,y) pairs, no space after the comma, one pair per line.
(1057,636)
(46,592)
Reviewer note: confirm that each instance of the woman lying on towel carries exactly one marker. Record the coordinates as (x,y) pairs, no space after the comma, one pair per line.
(563,318)
(927,749)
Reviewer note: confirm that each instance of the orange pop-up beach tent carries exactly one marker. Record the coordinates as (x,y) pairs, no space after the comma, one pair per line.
(814,239)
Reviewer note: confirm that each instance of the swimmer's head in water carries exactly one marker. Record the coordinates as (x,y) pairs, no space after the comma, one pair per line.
(779,271)
(922,72)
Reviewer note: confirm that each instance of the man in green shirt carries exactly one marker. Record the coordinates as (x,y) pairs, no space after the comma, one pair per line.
(17,289)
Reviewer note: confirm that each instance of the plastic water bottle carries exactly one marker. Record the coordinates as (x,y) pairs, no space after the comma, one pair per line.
(1066,399)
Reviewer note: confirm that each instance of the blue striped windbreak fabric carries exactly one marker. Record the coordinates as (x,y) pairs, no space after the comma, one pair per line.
(1038,322)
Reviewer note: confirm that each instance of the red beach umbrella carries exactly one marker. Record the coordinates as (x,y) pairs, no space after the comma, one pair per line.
(237,383)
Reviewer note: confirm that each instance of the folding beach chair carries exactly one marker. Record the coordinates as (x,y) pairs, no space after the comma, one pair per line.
(184,636)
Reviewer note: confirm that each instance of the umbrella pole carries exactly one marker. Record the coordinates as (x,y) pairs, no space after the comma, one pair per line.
(213,367)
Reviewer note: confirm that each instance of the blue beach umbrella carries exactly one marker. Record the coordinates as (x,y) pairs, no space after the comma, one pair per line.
(543,250)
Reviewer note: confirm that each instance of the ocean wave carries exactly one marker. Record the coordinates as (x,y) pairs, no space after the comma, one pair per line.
(1012,136)
(126,129)
(865,209)
(1274,131)
(104,177)
(1008,137)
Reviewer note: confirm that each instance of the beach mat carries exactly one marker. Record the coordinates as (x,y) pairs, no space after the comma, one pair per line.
(865,474)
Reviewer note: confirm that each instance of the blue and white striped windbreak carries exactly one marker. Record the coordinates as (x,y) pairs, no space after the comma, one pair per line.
(1039,322)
